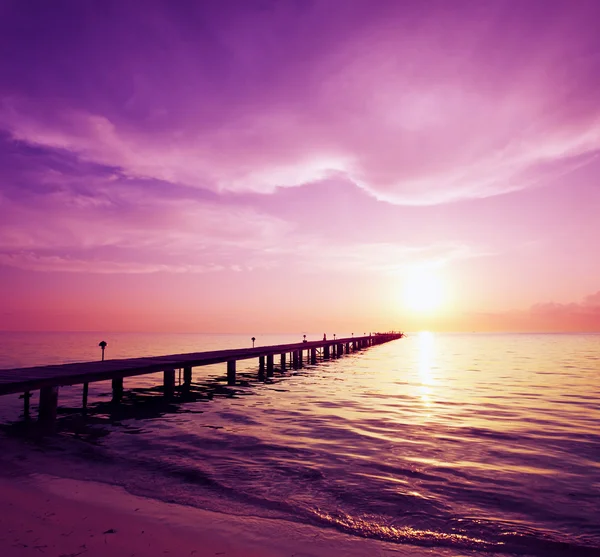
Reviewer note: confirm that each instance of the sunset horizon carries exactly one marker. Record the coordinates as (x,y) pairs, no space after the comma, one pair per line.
(305,278)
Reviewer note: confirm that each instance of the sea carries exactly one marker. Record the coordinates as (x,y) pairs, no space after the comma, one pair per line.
(484,443)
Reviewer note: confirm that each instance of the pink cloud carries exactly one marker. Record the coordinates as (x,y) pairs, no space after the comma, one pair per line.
(542,317)
(415,110)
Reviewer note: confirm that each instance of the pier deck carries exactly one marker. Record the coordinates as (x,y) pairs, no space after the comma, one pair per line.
(49,378)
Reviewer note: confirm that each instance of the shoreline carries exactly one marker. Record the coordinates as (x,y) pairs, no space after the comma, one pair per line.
(44,510)
(67,518)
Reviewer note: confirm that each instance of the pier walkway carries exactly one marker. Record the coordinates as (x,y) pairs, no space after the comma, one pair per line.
(48,378)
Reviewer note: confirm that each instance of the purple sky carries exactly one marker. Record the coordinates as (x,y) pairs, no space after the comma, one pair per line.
(286,166)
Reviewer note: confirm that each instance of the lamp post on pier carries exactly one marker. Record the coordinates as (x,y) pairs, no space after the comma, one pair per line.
(102,345)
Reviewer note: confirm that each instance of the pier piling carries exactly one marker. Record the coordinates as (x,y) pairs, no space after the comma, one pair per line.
(117,389)
(86,388)
(48,405)
(231,372)
(187,377)
(169,382)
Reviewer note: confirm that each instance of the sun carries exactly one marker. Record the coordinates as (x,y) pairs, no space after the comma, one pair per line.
(423,290)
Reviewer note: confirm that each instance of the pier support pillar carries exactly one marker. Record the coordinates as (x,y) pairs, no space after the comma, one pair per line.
(300,358)
(326,352)
(86,389)
(231,373)
(347,348)
(313,356)
(169,382)
(117,389)
(48,406)
(295,359)
(269,365)
(282,363)
(187,377)
(26,404)
(261,368)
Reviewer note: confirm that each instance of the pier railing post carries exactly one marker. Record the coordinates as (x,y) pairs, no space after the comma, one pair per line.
(231,373)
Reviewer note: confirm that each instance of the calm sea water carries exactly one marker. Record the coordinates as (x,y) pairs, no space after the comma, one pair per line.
(483,442)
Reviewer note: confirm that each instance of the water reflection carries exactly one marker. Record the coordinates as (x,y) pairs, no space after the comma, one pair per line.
(426,359)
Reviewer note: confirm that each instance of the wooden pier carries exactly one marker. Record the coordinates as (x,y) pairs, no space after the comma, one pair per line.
(47,379)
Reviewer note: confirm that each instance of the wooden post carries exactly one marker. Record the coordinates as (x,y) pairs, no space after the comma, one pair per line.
(187,377)
(231,372)
(283,362)
(117,389)
(26,398)
(169,382)
(300,358)
(48,406)
(347,348)
(269,365)
(326,352)
(86,387)
(313,356)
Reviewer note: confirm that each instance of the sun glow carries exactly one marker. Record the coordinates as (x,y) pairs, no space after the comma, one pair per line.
(423,290)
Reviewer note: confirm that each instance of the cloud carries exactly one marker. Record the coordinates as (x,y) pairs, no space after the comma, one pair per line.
(588,307)
(416,107)
(583,316)
(64,214)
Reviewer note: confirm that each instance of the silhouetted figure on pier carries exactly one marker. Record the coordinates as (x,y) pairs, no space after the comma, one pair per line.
(324,336)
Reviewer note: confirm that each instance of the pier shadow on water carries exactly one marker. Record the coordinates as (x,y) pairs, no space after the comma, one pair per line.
(139,404)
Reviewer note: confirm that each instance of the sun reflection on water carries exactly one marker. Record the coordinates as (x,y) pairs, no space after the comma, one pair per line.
(426,359)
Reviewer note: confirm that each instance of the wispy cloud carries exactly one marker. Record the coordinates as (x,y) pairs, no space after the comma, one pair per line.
(415,108)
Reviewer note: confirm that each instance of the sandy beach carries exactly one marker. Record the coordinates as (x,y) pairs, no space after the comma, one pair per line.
(47,515)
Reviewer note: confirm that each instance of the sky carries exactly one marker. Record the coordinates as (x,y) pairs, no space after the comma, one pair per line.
(299,165)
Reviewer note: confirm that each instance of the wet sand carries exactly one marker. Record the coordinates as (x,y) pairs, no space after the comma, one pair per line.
(46,515)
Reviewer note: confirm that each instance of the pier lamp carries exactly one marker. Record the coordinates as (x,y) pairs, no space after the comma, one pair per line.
(253,339)
(102,344)
(304,336)
(333,336)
